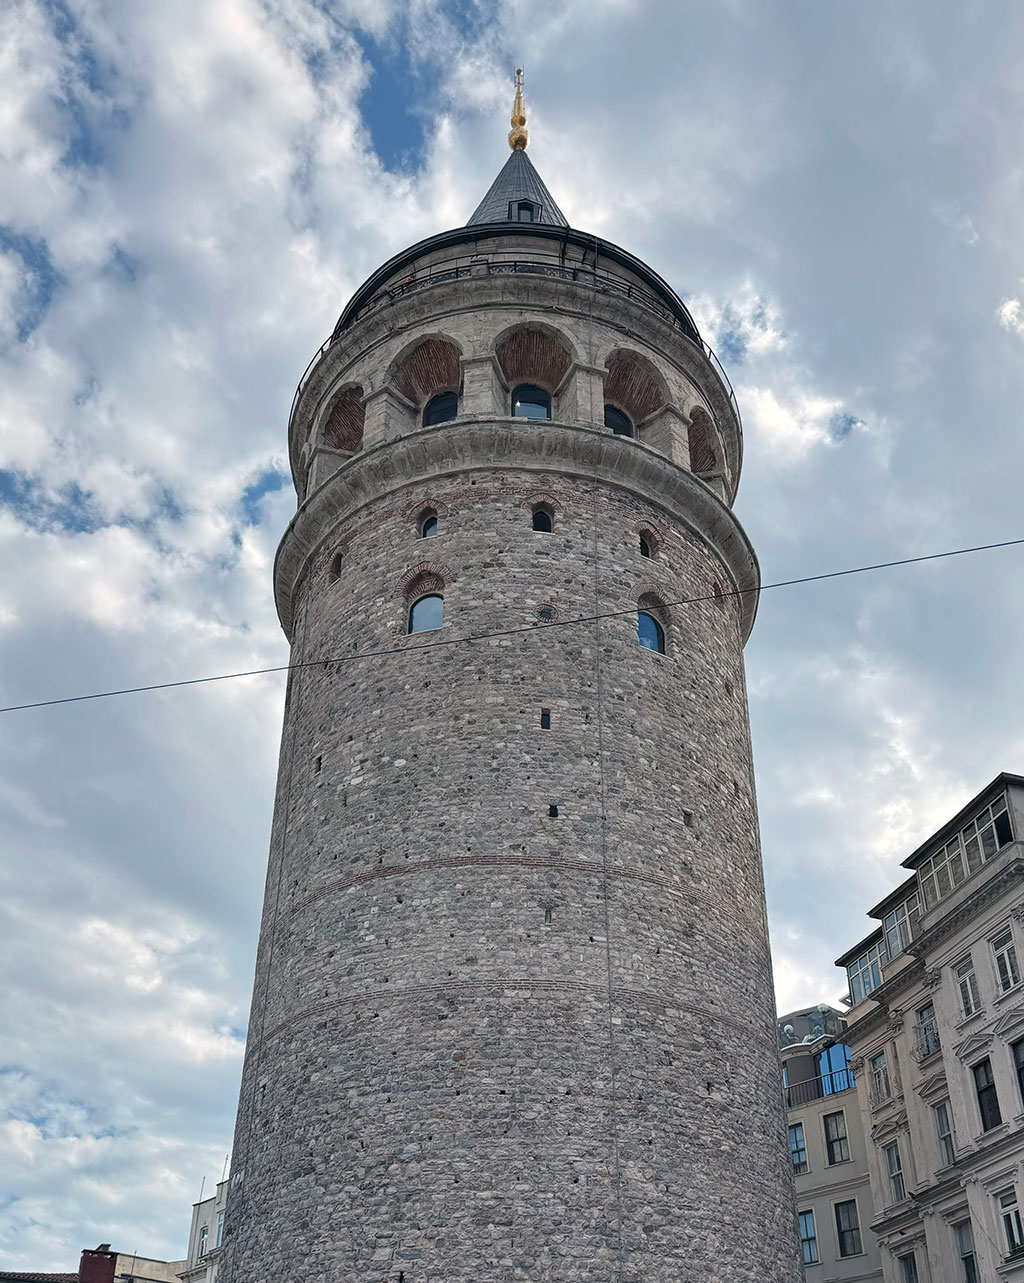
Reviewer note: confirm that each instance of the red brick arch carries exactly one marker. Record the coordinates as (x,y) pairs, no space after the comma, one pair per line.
(635,385)
(702,442)
(426,577)
(429,367)
(534,354)
(343,427)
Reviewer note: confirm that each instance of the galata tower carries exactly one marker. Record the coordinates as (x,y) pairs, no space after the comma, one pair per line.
(513,1014)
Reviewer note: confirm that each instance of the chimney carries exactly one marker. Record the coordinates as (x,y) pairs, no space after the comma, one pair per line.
(97,1265)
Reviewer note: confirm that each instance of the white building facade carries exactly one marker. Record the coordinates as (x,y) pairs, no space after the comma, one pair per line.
(936,1029)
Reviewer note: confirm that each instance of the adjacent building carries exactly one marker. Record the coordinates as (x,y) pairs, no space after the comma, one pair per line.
(936,1030)
(205,1235)
(827,1149)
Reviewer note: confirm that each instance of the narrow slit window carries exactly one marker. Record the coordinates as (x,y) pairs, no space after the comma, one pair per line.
(428,524)
(553,811)
(645,547)
(543,519)
(545,719)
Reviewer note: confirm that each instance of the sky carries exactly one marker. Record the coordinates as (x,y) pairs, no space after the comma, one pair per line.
(189,194)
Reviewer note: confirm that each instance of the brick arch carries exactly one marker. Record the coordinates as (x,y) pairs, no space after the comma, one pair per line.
(427,368)
(703,456)
(634,384)
(542,498)
(426,577)
(343,427)
(534,354)
(418,507)
(652,600)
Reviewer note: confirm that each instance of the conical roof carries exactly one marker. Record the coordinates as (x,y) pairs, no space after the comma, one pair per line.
(518,181)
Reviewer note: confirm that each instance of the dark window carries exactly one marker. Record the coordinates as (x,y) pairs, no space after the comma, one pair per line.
(836,1144)
(1018,1063)
(553,811)
(523,211)
(545,719)
(531,402)
(848,1228)
(908,1268)
(649,632)
(808,1238)
(426,614)
(440,408)
(617,421)
(964,1236)
(334,573)
(944,1132)
(988,1101)
(429,527)
(542,520)
(645,547)
(797,1148)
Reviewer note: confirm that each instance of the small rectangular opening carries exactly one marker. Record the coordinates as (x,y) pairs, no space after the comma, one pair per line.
(547,914)
(688,819)
(553,811)
(545,719)
(319,763)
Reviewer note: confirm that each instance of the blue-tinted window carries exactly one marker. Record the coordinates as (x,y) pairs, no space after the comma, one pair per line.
(649,632)
(531,402)
(441,408)
(834,1069)
(426,614)
(428,526)
(617,421)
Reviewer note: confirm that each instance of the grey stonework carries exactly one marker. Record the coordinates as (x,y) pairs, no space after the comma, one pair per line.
(487,1043)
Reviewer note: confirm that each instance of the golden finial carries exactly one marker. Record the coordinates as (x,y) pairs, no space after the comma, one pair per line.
(518,137)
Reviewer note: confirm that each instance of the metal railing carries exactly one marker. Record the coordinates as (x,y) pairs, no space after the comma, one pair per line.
(818,1088)
(926,1042)
(479,265)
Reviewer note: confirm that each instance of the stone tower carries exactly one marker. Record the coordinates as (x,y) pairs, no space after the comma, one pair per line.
(513,1012)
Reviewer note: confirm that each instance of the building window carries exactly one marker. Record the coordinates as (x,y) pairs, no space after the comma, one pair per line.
(866,972)
(649,632)
(441,408)
(834,1069)
(944,1131)
(988,1101)
(881,1087)
(645,547)
(970,1002)
(531,402)
(1009,1213)
(848,1228)
(1004,955)
(543,518)
(220,1229)
(976,842)
(963,1237)
(908,1268)
(426,614)
(837,1147)
(617,421)
(808,1238)
(900,926)
(797,1147)
(894,1167)
(523,211)
(926,1033)
(203,1235)
(427,523)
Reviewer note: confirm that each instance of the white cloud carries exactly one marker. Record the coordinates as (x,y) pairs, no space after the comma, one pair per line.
(1011,315)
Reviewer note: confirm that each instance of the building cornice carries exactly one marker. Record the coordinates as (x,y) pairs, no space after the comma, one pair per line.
(472,445)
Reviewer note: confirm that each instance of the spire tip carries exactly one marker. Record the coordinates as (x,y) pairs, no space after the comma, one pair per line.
(518,137)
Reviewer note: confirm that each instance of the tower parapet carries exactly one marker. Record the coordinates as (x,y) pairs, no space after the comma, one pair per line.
(512,1015)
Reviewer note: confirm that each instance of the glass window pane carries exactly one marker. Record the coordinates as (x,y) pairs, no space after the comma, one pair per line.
(531,402)
(617,421)
(649,632)
(440,409)
(426,614)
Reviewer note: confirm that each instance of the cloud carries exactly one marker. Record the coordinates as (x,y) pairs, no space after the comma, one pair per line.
(1011,315)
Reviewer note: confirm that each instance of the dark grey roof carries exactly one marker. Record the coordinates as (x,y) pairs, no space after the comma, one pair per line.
(518,180)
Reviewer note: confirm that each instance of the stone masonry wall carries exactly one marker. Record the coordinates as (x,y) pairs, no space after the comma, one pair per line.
(489,1043)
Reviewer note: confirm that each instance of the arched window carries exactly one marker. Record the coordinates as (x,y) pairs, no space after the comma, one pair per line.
(334,570)
(426,614)
(543,518)
(428,523)
(531,402)
(440,408)
(645,547)
(649,632)
(617,421)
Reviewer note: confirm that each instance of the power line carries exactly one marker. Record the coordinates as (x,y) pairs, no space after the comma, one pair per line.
(507,632)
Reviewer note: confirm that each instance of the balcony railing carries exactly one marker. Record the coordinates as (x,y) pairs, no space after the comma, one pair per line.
(883,1087)
(926,1042)
(818,1088)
